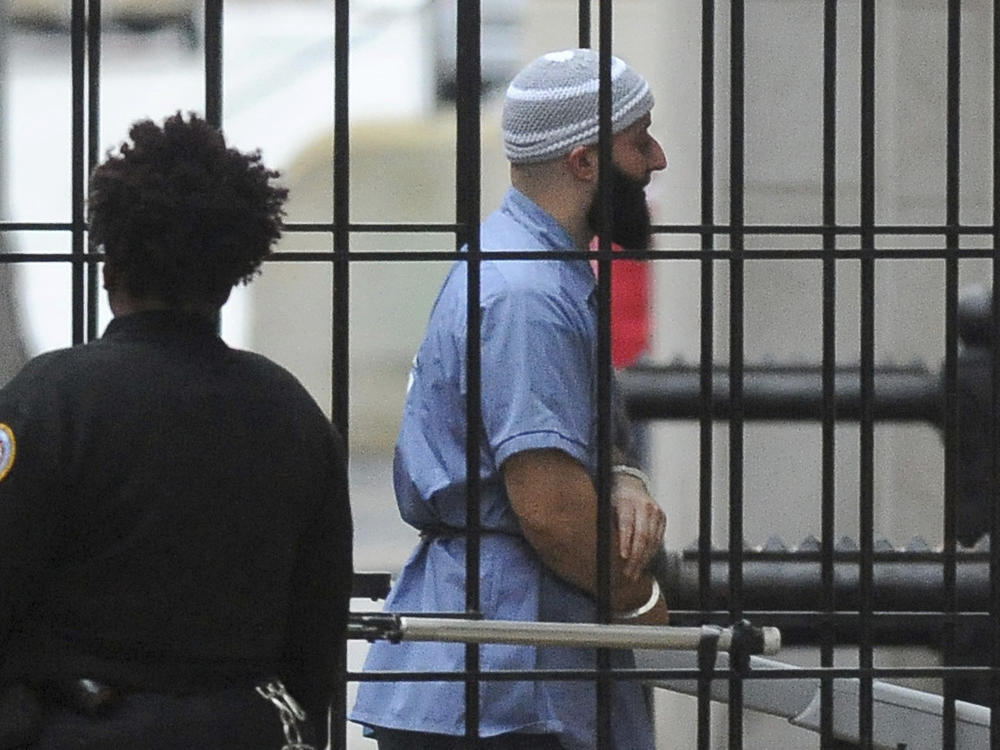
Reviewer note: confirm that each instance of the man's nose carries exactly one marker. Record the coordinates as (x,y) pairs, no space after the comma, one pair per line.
(657,159)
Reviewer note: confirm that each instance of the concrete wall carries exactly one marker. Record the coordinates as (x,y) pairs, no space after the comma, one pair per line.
(402,171)
(12,354)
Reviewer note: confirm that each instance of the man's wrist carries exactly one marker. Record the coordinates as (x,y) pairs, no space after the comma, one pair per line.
(654,598)
(632,472)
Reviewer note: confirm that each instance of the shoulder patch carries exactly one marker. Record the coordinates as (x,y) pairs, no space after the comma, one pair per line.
(8,450)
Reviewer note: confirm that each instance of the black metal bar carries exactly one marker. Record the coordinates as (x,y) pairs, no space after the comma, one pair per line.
(48,258)
(213,62)
(78,60)
(584,24)
(413,227)
(417,255)
(804,673)
(699,255)
(736,346)
(702,228)
(94,33)
(340,334)
(900,627)
(903,581)
(706,456)
(36,226)
(829,406)
(468,157)
(341,229)
(994,678)
(820,229)
(782,392)
(951,458)
(866,497)
(604,690)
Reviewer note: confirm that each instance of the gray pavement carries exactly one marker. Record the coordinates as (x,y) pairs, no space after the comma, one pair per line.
(382,542)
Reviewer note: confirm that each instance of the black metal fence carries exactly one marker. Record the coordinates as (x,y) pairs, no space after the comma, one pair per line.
(707,598)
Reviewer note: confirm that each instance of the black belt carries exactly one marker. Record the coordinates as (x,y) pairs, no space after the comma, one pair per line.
(93,697)
(81,694)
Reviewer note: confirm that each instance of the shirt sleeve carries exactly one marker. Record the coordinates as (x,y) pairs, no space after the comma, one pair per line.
(31,494)
(537,375)
(321,593)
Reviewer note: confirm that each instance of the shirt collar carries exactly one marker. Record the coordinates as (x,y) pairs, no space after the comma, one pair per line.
(162,324)
(550,235)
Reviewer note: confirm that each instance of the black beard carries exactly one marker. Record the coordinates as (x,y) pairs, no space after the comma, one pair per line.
(630,220)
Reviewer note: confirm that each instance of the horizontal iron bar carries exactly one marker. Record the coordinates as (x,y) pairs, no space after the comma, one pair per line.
(798,229)
(410,256)
(821,229)
(369,228)
(14,258)
(368,256)
(782,584)
(781,393)
(699,229)
(36,226)
(796,673)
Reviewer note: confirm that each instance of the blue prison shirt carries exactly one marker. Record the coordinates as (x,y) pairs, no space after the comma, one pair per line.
(539,382)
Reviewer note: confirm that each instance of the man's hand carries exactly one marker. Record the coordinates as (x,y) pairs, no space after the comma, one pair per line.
(641,524)
(555,502)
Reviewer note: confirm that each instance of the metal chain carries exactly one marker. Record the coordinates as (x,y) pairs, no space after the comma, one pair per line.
(291,714)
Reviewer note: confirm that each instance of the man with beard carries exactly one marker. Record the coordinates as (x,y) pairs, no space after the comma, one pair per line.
(538,449)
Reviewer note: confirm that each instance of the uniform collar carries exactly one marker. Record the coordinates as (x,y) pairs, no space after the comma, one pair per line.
(160,324)
(550,235)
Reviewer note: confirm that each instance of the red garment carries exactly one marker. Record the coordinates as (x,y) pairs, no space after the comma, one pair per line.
(631,297)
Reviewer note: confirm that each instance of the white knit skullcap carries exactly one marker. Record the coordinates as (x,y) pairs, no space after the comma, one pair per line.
(551,106)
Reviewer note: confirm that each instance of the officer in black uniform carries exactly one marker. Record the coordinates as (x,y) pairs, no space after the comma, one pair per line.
(175,530)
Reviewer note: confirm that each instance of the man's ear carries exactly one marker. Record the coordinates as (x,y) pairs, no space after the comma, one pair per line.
(582,162)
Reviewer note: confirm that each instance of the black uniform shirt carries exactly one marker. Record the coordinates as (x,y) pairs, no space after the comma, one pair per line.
(173,514)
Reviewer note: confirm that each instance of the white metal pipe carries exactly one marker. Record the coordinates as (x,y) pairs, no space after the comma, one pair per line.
(572,634)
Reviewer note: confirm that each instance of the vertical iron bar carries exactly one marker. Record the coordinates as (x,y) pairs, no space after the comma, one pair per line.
(213,62)
(469,83)
(994,626)
(78,60)
(867,354)
(704,735)
(604,374)
(951,468)
(340,343)
(736,343)
(583,24)
(93,145)
(828,471)
(341,217)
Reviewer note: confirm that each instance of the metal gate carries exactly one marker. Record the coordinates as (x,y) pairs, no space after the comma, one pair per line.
(723,242)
